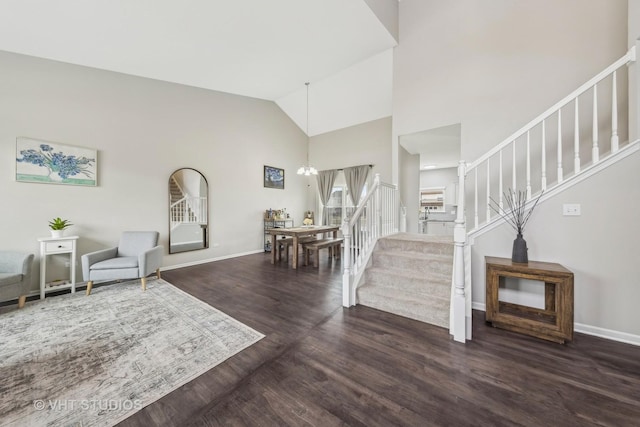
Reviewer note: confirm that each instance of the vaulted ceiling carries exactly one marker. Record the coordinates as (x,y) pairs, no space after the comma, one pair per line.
(256,48)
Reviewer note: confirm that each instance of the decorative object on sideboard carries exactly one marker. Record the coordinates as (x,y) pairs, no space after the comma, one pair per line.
(58,225)
(53,163)
(517,215)
(308,218)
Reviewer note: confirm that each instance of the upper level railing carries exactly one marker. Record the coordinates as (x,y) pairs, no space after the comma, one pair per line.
(557,137)
(563,136)
(376,216)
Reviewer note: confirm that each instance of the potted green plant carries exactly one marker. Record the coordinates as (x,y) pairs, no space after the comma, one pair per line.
(58,225)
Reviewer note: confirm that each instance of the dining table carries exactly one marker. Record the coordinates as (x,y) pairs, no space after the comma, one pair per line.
(296,233)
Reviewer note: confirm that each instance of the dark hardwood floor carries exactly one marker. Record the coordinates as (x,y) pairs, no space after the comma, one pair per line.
(323,365)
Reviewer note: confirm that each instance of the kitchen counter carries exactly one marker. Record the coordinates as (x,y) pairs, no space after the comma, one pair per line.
(437,226)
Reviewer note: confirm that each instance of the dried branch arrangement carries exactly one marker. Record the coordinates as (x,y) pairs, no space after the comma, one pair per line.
(516,214)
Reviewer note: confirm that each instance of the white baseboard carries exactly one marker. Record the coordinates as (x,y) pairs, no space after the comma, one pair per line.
(589,330)
(204,261)
(607,333)
(478,306)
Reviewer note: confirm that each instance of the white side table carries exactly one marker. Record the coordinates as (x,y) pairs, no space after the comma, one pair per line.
(55,246)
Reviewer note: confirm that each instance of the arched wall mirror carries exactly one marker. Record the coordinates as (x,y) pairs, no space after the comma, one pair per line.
(188,211)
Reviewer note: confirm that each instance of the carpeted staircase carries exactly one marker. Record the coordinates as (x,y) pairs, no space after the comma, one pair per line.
(410,275)
(174,190)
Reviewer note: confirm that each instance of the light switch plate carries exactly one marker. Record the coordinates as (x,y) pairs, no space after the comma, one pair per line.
(571,209)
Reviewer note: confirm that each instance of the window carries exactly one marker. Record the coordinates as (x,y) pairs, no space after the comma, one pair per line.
(340,205)
(334,206)
(432,199)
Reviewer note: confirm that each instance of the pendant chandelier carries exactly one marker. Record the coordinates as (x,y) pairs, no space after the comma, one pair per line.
(308,169)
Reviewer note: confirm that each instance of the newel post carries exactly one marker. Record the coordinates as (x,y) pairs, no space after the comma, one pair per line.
(458,323)
(347,300)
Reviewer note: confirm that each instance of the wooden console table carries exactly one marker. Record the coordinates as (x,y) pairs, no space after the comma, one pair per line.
(554,322)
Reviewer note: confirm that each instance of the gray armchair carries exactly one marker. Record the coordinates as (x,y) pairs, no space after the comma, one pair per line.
(137,256)
(15,275)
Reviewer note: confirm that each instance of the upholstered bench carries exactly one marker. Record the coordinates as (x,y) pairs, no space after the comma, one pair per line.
(333,246)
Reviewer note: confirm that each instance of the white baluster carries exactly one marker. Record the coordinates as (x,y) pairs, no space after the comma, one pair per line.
(378,213)
(543,165)
(500,198)
(595,151)
(560,172)
(488,189)
(347,300)
(576,142)
(475,192)
(615,143)
(528,165)
(513,159)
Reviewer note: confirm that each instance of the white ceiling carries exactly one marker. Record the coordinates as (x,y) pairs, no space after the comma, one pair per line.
(438,148)
(257,48)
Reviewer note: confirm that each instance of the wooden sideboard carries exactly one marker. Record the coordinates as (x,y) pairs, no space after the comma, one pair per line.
(554,322)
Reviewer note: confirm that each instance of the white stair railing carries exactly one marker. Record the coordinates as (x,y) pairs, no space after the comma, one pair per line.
(188,210)
(376,216)
(489,176)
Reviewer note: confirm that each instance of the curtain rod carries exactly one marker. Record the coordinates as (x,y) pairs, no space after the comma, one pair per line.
(360,165)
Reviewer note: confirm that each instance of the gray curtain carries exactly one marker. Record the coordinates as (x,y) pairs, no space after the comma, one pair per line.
(356,177)
(325,185)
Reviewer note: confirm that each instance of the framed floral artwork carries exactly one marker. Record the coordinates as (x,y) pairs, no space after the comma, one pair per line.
(273,177)
(54,163)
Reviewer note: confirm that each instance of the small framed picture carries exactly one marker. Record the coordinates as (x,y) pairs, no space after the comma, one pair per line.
(273,177)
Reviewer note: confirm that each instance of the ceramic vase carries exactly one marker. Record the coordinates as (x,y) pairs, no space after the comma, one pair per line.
(519,253)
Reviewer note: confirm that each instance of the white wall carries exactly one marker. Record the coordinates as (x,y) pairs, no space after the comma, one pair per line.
(633,39)
(494,65)
(363,144)
(409,186)
(143,130)
(599,247)
(438,177)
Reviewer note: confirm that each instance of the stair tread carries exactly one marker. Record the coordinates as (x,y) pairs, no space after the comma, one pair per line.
(423,290)
(433,277)
(434,310)
(425,250)
(419,238)
(399,294)
(419,264)
(415,255)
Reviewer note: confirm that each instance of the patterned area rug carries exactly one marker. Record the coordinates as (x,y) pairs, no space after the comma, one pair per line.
(93,361)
